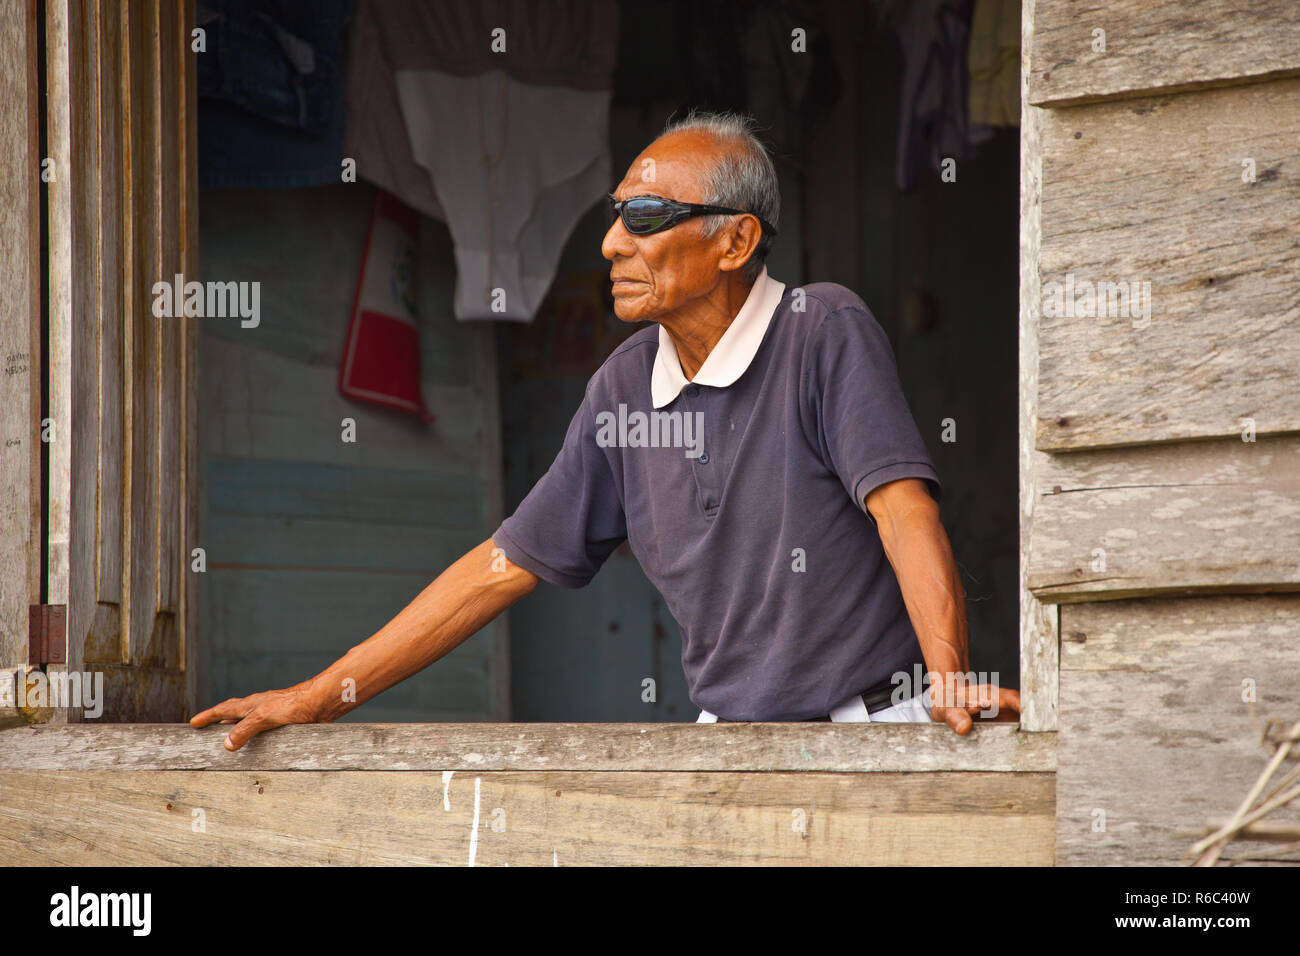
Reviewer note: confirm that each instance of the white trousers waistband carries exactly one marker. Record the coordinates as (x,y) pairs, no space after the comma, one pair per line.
(854,711)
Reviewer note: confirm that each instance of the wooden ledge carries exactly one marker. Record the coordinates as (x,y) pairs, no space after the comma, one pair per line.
(844,748)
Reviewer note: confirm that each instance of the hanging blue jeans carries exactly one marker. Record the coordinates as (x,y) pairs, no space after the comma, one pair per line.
(270,88)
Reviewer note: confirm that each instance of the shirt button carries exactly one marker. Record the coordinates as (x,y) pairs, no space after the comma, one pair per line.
(692,391)
(704,458)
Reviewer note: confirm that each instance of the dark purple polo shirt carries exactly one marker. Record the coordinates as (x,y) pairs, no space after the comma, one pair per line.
(761,545)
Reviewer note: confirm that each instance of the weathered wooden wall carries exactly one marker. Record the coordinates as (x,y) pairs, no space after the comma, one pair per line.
(1162,460)
(1163,705)
(1161,45)
(1152,191)
(21,516)
(529,794)
(1170,518)
(118,181)
(1039,622)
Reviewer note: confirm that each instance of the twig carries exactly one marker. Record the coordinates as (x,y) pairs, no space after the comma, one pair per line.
(1272,832)
(1274,851)
(1211,847)
(1288,779)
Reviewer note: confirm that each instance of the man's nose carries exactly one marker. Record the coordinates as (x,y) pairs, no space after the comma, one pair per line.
(617,241)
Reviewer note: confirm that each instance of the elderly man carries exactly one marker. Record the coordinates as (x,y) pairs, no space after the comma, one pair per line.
(754,449)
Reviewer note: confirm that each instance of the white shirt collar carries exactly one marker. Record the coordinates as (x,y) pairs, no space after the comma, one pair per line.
(733,353)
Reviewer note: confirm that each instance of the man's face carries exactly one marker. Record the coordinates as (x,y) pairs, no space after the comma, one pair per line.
(663,271)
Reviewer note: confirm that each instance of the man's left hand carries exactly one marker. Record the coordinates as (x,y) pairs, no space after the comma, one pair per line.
(958,704)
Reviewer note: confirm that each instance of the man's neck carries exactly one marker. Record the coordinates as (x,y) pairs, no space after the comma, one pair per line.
(696,328)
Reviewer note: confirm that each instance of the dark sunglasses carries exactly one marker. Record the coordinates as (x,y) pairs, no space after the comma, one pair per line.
(643,215)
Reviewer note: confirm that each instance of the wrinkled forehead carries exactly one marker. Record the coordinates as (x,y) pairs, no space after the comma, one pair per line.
(674,167)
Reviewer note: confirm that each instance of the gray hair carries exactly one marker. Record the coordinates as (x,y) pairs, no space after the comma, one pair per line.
(743,176)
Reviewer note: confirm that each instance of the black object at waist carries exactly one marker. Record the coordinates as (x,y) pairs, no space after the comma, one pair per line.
(877,698)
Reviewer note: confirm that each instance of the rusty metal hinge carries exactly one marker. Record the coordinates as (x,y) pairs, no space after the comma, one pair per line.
(47,634)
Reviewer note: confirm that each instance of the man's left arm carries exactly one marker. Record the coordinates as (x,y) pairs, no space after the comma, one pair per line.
(917,546)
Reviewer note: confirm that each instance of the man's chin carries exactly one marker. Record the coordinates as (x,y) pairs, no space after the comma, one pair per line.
(630,311)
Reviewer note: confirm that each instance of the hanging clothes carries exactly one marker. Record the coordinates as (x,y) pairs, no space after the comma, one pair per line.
(790,91)
(995,64)
(270,88)
(493,117)
(933,109)
(771,59)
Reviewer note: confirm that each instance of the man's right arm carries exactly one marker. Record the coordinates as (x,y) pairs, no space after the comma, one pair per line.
(458,603)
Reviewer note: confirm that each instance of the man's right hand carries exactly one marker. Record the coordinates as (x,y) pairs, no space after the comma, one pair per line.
(252,715)
(474,590)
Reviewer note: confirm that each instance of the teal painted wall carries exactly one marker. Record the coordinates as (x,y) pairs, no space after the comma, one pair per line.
(313,544)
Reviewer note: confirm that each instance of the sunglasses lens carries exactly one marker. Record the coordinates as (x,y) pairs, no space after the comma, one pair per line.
(646,215)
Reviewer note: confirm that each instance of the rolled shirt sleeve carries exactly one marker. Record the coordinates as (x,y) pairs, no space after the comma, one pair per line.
(572,519)
(863,426)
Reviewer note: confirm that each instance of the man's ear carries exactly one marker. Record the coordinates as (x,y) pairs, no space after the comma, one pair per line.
(743,237)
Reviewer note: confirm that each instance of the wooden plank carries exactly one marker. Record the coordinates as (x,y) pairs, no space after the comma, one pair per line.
(268,406)
(457,689)
(168,131)
(65,260)
(247,618)
(72,112)
(252,541)
(160,645)
(1165,45)
(305,299)
(785,747)
(1148,197)
(337,608)
(1039,644)
(1154,729)
(103,638)
(108,571)
(1218,516)
(190,441)
(21,517)
(82,433)
(136,692)
(393,496)
(141,355)
(542,819)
